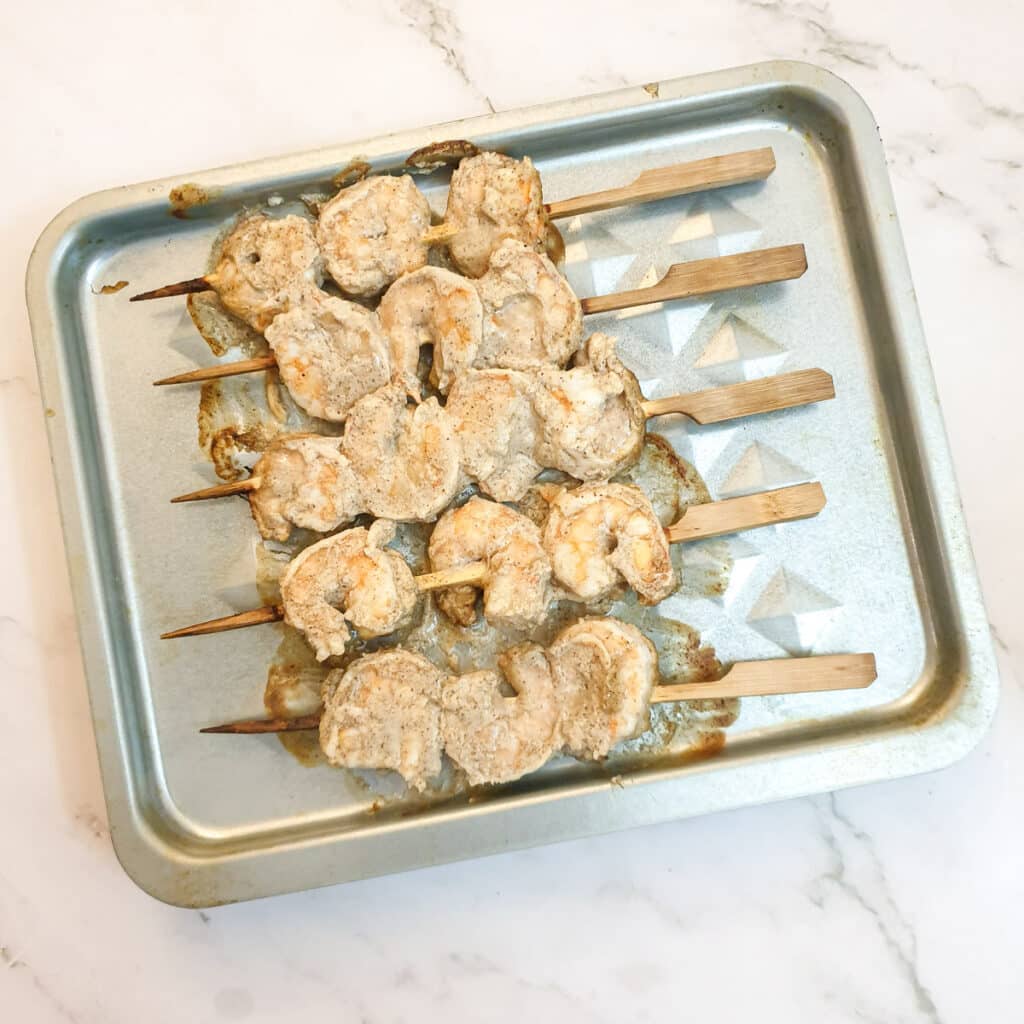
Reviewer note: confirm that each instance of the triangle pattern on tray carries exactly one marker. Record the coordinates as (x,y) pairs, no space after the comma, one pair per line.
(792,612)
(761,468)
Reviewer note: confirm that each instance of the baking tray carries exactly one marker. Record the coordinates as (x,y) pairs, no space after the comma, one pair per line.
(887,567)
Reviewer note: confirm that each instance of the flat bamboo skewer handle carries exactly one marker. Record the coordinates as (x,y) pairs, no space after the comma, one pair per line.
(813,674)
(784,391)
(704,277)
(779,676)
(716,518)
(677,180)
(463,575)
(681,281)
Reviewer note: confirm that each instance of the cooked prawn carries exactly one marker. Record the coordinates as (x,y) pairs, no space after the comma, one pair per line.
(305,481)
(372,232)
(493,198)
(330,353)
(495,738)
(383,712)
(346,580)
(518,574)
(406,458)
(432,306)
(531,315)
(267,266)
(592,420)
(605,672)
(598,534)
(497,428)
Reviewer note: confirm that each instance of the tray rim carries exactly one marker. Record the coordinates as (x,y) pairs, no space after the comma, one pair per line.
(170,874)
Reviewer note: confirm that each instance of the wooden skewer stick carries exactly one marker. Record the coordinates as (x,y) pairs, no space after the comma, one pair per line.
(241,620)
(677,180)
(681,281)
(193,284)
(717,518)
(440,233)
(704,277)
(713,519)
(471,573)
(255,726)
(715,405)
(658,183)
(769,394)
(253,365)
(251,483)
(812,674)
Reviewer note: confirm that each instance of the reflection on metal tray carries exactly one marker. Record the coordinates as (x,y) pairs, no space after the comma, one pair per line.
(886,567)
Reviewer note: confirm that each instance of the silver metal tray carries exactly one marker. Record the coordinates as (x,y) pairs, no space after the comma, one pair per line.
(886,568)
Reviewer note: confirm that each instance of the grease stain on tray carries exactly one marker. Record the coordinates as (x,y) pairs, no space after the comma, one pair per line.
(184,197)
(109,289)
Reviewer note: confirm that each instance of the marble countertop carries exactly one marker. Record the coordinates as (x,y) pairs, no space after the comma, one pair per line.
(896,902)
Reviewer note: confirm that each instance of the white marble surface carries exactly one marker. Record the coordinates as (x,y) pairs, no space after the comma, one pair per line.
(899,902)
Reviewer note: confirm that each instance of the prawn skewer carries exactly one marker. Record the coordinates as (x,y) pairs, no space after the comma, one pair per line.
(819,673)
(589,691)
(641,540)
(713,405)
(681,281)
(659,183)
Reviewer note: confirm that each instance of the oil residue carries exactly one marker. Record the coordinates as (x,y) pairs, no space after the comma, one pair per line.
(110,289)
(183,197)
(222,331)
(354,171)
(239,416)
(294,683)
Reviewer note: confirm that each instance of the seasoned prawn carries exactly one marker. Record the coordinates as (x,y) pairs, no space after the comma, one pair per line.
(432,306)
(372,232)
(494,738)
(330,353)
(349,579)
(493,198)
(531,315)
(267,266)
(598,534)
(497,429)
(303,480)
(406,458)
(592,419)
(518,574)
(384,712)
(605,672)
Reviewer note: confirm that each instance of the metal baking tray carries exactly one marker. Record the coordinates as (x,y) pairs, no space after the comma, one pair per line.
(887,567)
